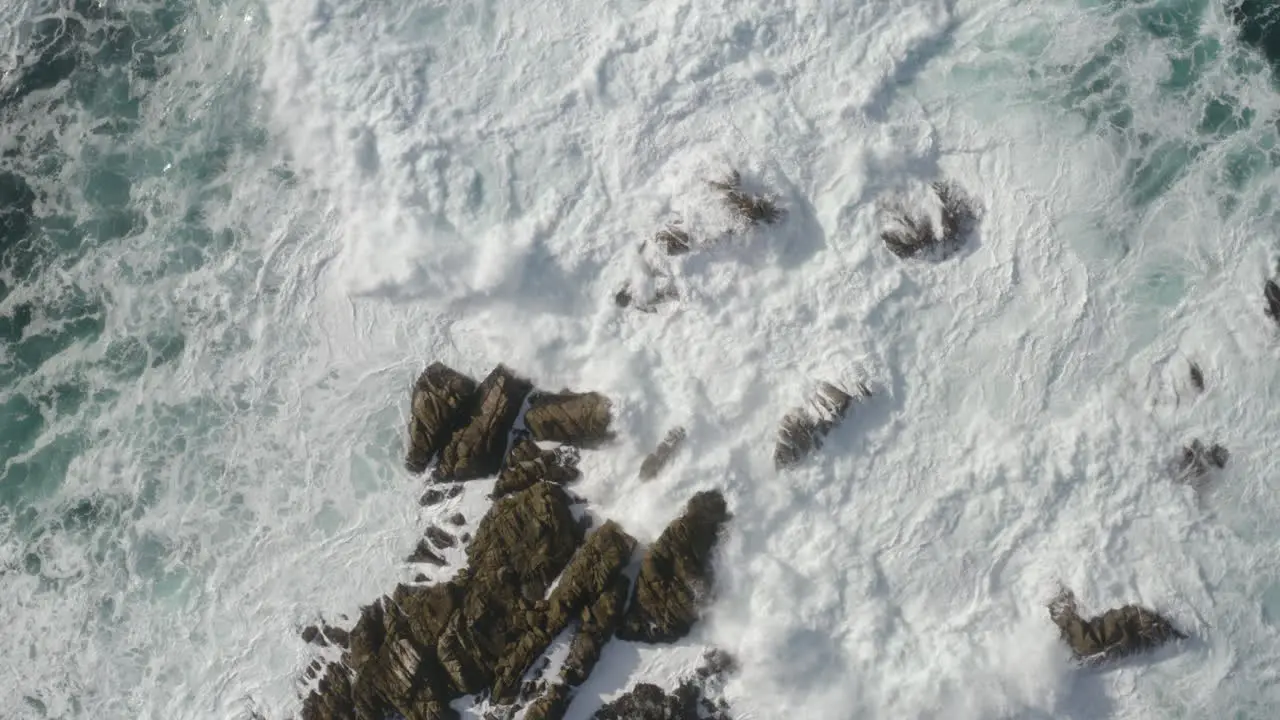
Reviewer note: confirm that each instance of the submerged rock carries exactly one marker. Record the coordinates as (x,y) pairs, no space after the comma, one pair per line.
(909,233)
(580,419)
(803,431)
(751,209)
(1197,378)
(423,553)
(1114,634)
(676,573)
(1195,463)
(655,461)
(476,449)
(437,495)
(673,240)
(1271,292)
(441,397)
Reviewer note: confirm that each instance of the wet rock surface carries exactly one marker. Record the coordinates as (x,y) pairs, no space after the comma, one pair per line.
(655,461)
(529,463)
(533,570)
(803,430)
(440,399)
(1117,633)
(676,573)
(477,449)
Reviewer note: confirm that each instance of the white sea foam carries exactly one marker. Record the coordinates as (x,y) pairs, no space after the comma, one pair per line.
(472,182)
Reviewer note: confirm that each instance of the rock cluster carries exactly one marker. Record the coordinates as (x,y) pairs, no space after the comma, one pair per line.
(1117,633)
(532,570)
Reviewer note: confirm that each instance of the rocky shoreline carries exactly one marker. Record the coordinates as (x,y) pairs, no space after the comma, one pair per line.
(533,571)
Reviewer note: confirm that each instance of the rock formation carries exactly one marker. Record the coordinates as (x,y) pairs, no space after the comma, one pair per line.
(909,233)
(803,430)
(476,449)
(567,417)
(440,399)
(414,651)
(1197,377)
(676,574)
(1271,292)
(528,463)
(655,461)
(1114,634)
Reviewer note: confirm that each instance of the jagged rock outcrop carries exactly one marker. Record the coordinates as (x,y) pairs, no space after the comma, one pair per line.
(476,449)
(655,461)
(439,494)
(909,233)
(414,652)
(673,240)
(590,574)
(325,635)
(441,398)
(676,573)
(579,419)
(527,464)
(803,430)
(1271,293)
(1114,634)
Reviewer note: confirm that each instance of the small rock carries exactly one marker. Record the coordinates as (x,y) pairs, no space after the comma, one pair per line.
(1114,634)
(420,578)
(457,519)
(440,399)
(424,554)
(1271,292)
(1197,378)
(440,538)
(580,419)
(440,494)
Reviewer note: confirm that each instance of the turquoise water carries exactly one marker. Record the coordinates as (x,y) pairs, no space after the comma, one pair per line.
(161,420)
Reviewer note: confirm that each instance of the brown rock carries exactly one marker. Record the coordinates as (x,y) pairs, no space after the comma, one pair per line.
(1114,634)
(520,547)
(440,494)
(600,620)
(324,635)
(661,455)
(551,705)
(673,240)
(753,209)
(441,397)
(909,234)
(803,430)
(676,573)
(592,572)
(476,450)
(529,464)
(457,519)
(580,419)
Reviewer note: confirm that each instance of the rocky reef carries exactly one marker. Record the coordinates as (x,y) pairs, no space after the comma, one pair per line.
(533,571)
(1117,633)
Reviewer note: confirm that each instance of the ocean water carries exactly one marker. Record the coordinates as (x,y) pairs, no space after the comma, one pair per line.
(232,232)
